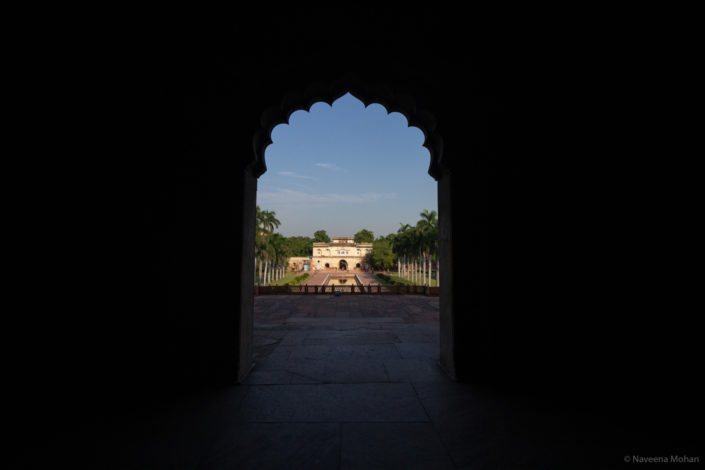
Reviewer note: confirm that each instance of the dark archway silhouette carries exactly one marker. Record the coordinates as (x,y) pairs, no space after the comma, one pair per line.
(536,171)
(343,265)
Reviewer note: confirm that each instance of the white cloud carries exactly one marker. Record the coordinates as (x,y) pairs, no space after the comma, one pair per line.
(329,166)
(284,196)
(295,175)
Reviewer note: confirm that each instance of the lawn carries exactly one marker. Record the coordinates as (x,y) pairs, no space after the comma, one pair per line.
(391,280)
(291,279)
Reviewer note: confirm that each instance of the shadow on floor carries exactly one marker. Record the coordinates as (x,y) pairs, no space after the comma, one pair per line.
(352,382)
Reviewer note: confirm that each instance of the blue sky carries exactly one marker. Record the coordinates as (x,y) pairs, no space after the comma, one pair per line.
(346,167)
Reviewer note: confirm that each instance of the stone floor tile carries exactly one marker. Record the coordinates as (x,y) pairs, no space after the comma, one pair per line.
(264,376)
(344,351)
(468,421)
(427,351)
(419,338)
(294,338)
(332,403)
(337,371)
(414,370)
(392,446)
(276,445)
(352,337)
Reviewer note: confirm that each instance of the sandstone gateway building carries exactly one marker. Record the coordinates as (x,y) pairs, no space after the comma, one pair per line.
(342,254)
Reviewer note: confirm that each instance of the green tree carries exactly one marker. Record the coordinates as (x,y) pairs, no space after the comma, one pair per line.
(364,236)
(390,237)
(279,255)
(381,257)
(415,247)
(321,236)
(266,222)
(404,243)
(299,246)
(427,231)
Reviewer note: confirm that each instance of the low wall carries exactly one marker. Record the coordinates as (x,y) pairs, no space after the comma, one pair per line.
(351,289)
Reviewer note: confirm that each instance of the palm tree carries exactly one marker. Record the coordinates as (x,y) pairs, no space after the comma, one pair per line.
(403,245)
(269,221)
(415,247)
(266,222)
(279,253)
(412,251)
(420,252)
(427,228)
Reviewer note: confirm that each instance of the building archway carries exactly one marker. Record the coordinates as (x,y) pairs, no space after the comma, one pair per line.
(416,116)
(343,265)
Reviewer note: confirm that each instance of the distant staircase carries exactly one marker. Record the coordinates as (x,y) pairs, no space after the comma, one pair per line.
(367,279)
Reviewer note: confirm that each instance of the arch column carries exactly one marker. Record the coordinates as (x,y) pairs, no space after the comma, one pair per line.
(245,321)
(464,227)
(445,254)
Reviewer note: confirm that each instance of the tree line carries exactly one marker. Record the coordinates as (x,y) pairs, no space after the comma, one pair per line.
(273,250)
(412,249)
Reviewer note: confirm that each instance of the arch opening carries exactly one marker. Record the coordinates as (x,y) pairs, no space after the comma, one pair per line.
(415,117)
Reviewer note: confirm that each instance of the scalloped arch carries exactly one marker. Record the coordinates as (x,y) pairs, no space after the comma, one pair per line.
(319,92)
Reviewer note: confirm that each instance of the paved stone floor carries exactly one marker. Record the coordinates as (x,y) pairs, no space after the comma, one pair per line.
(352,382)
